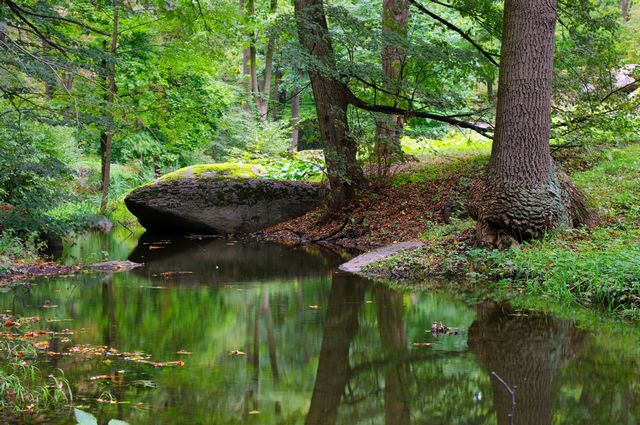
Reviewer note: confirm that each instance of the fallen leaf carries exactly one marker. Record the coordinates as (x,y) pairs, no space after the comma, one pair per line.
(41,345)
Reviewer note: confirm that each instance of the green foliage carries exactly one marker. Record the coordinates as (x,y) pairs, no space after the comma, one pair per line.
(25,390)
(599,266)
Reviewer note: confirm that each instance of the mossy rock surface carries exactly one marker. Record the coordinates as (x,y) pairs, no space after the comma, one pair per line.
(226,170)
(220,198)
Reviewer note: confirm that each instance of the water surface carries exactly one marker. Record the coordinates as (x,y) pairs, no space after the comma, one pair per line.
(277,336)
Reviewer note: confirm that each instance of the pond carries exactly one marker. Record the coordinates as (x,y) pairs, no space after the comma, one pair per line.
(218,331)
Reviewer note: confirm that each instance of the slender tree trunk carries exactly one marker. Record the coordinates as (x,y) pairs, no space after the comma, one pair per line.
(521,196)
(332,98)
(490,90)
(624,7)
(275,108)
(295,120)
(252,53)
(246,73)
(107,137)
(264,95)
(395,18)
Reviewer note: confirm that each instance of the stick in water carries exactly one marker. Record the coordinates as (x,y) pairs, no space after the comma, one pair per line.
(511,392)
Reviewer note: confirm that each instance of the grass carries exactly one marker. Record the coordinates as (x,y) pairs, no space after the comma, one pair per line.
(585,266)
(25,389)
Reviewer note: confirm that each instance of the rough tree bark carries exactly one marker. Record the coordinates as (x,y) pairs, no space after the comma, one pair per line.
(106,137)
(395,17)
(332,99)
(521,195)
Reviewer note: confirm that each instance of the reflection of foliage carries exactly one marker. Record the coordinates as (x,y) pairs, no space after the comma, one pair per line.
(272,322)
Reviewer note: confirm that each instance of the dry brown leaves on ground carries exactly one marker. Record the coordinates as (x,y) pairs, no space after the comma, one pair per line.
(387,215)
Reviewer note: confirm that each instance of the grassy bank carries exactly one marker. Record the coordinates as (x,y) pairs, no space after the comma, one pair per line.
(588,266)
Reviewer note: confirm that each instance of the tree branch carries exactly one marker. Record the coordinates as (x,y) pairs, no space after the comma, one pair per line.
(15,7)
(452,27)
(392,110)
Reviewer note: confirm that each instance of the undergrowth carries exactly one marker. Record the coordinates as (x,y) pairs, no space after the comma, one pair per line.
(587,266)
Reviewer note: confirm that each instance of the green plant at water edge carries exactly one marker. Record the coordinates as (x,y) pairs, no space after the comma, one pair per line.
(24,389)
(14,248)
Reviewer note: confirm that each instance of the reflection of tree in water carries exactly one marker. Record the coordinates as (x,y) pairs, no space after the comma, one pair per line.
(527,351)
(393,336)
(341,326)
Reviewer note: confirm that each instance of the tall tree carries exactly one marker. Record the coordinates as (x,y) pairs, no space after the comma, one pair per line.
(625,5)
(522,195)
(332,98)
(106,138)
(395,17)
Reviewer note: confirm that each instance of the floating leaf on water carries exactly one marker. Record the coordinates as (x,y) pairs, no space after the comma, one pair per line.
(84,418)
(41,345)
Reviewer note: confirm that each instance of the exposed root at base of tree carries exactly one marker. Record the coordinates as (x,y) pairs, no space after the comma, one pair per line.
(383,216)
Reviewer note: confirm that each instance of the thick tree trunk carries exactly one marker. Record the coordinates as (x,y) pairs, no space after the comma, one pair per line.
(295,120)
(106,138)
(332,98)
(395,17)
(521,196)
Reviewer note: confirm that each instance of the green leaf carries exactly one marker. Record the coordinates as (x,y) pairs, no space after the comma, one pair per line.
(117,422)
(84,418)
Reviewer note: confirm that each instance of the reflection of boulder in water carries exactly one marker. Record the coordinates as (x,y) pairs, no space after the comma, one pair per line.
(527,351)
(220,260)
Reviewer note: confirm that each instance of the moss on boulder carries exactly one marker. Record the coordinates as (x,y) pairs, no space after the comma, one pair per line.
(226,170)
(220,198)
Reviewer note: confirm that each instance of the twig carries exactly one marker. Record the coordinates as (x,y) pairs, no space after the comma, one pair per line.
(511,392)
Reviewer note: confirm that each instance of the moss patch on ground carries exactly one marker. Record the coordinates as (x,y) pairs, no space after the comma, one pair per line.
(587,266)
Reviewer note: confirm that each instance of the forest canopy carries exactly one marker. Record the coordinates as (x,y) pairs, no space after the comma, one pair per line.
(101,96)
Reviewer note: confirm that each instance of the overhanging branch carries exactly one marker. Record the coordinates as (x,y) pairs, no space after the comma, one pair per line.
(452,27)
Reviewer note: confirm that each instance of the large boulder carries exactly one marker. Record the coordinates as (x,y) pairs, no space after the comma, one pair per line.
(220,198)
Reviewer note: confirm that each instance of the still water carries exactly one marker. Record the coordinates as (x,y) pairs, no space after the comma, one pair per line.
(273,335)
